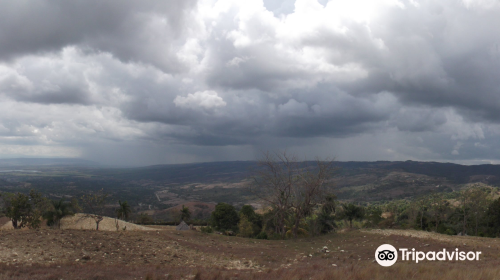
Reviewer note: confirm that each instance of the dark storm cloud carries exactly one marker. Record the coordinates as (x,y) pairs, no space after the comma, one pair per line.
(199,80)
(124,28)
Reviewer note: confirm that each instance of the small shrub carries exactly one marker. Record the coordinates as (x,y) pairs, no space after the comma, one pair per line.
(274,236)
(450,231)
(386,223)
(245,227)
(262,235)
(207,229)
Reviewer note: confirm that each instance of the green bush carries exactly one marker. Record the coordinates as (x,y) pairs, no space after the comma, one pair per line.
(450,232)
(274,236)
(225,217)
(207,229)
(262,235)
(245,227)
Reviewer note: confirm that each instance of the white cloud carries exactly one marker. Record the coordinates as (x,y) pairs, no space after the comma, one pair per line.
(456,149)
(201,99)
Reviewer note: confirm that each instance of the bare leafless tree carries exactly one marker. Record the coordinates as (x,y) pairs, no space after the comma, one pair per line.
(290,187)
(95,204)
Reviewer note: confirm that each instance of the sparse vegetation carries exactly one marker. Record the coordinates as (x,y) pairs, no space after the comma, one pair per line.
(164,255)
(207,229)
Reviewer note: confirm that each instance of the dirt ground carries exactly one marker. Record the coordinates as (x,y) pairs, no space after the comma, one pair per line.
(168,254)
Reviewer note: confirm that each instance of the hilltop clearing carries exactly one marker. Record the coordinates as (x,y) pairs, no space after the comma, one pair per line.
(83,222)
(163,253)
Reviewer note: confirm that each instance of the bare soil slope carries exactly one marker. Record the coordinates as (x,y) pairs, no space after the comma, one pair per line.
(169,254)
(81,221)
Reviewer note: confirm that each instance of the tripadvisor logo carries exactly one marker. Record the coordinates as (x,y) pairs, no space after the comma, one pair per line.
(387,255)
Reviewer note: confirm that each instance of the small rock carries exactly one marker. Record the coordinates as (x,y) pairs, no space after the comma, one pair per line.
(334,265)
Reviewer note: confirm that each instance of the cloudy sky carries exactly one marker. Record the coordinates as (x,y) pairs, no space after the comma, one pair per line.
(175,81)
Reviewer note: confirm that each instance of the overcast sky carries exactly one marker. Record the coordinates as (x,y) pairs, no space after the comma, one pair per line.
(175,81)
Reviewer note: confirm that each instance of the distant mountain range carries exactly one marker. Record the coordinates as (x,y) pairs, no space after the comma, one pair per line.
(238,170)
(361,181)
(19,162)
(454,172)
(225,181)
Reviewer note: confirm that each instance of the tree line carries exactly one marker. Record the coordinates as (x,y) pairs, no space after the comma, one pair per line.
(474,210)
(29,210)
(300,202)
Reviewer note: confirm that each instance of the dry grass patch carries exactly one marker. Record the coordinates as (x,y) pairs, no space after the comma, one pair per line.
(81,221)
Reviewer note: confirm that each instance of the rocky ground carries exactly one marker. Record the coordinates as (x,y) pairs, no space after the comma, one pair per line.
(164,253)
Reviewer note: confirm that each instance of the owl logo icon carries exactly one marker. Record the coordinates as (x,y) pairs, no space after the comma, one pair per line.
(386,255)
